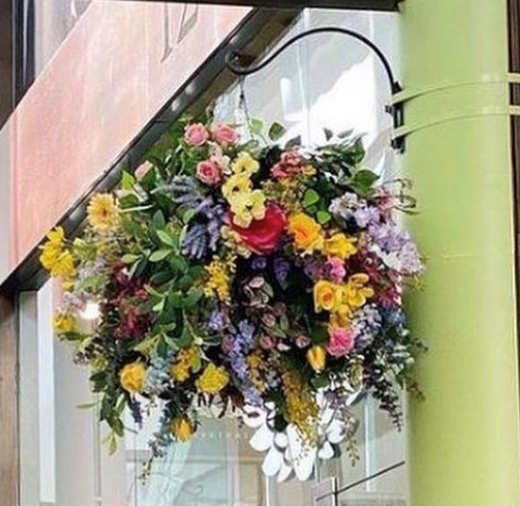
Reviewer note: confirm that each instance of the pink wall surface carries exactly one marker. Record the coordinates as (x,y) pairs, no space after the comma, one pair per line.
(119,65)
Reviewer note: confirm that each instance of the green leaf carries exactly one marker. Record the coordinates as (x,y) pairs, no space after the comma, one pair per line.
(295,141)
(159,222)
(256,126)
(185,282)
(328,134)
(129,258)
(194,295)
(127,181)
(159,306)
(178,264)
(365,177)
(166,238)
(276,131)
(128,202)
(176,299)
(188,215)
(159,255)
(323,217)
(87,405)
(320,381)
(310,197)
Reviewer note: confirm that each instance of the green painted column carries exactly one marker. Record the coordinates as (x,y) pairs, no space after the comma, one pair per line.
(464,439)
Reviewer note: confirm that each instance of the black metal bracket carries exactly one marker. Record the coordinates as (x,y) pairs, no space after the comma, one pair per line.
(396,110)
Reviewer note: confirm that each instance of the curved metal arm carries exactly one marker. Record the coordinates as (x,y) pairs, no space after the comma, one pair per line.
(396,110)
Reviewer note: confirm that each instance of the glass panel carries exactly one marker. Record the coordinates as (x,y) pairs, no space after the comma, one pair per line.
(385,490)
(380,446)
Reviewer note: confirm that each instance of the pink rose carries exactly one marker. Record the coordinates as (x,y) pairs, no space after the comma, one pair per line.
(341,341)
(336,269)
(289,165)
(196,134)
(225,134)
(209,173)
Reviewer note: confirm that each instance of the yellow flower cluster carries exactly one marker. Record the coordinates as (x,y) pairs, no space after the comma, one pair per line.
(132,377)
(245,203)
(301,405)
(55,257)
(103,213)
(187,361)
(183,429)
(212,380)
(308,236)
(64,322)
(219,278)
(341,299)
(256,364)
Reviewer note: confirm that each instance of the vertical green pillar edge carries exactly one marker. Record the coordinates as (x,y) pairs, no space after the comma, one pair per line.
(464,438)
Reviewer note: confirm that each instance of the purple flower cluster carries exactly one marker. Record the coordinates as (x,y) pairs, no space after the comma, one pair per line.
(389,239)
(366,323)
(200,236)
(236,347)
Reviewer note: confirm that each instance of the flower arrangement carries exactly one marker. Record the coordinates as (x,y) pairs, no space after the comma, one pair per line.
(242,276)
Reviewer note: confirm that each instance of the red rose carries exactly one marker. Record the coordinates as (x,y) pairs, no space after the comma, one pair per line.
(263,236)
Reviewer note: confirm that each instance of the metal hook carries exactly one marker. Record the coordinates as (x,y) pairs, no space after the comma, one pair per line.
(396,110)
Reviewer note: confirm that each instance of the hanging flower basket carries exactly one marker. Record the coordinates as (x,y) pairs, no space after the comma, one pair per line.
(256,279)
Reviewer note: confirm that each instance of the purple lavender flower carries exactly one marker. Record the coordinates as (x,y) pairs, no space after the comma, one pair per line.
(236,348)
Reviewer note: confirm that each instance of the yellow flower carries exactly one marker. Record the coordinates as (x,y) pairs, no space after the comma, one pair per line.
(64,322)
(183,429)
(219,279)
(244,163)
(317,358)
(355,292)
(307,233)
(247,207)
(57,260)
(64,266)
(341,318)
(103,213)
(308,170)
(187,360)
(212,380)
(132,377)
(236,185)
(339,245)
(301,405)
(326,296)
